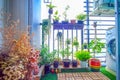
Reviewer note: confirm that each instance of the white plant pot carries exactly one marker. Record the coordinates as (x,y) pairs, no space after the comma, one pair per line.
(83,64)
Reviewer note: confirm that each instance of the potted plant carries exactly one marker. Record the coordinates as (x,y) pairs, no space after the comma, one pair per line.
(83,56)
(65,53)
(68,42)
(85,46)
(50,6)
(56,17)
(80,18)
(96,45)
(56,59)
(47,58)
(65,14)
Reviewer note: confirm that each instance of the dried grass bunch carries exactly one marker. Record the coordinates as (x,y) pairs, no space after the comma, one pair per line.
(15,50)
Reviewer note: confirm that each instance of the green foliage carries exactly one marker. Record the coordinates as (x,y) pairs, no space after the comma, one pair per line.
(75,42)
(47,57)
(65,53)
(68,41)
(81,17)
(82,55)
(56,16)
(50,6)
(96,45)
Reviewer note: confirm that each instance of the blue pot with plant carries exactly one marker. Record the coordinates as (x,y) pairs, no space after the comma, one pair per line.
(56,17)
(80,18)
(50,6)
(47,58)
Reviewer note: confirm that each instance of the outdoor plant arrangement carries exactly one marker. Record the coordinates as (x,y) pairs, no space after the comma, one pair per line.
(83,56)
(56,17)
(16,53)
(80,18)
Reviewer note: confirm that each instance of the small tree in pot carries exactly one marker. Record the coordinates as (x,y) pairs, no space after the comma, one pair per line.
(96,45)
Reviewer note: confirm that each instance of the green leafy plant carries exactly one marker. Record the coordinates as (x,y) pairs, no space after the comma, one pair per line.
(65,53)
(56,16)
(68,41)
(81,17)
(75,42)
(50,6)
(96,45)
(82,55)
(46,56)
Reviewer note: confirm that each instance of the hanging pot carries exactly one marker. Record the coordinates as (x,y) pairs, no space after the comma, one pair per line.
(50,11)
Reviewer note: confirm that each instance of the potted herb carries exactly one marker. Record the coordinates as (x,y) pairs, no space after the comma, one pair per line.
(75,43)
(80,18)
(47,58)
(83,56)
(65,53)
(65,14)
(56,17)
(56,62)
(50,6)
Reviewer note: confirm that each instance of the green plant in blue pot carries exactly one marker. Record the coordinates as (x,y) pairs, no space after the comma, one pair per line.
(50,6)
(56,17)
(80,18)
(47,58)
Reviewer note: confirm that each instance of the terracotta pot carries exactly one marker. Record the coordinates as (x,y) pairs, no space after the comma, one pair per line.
(73,21)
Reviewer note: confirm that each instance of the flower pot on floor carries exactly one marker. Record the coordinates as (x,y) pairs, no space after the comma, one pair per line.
(74,63)
(83,64)
(56,64)
(47,68)
(94,64)
(66,63)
